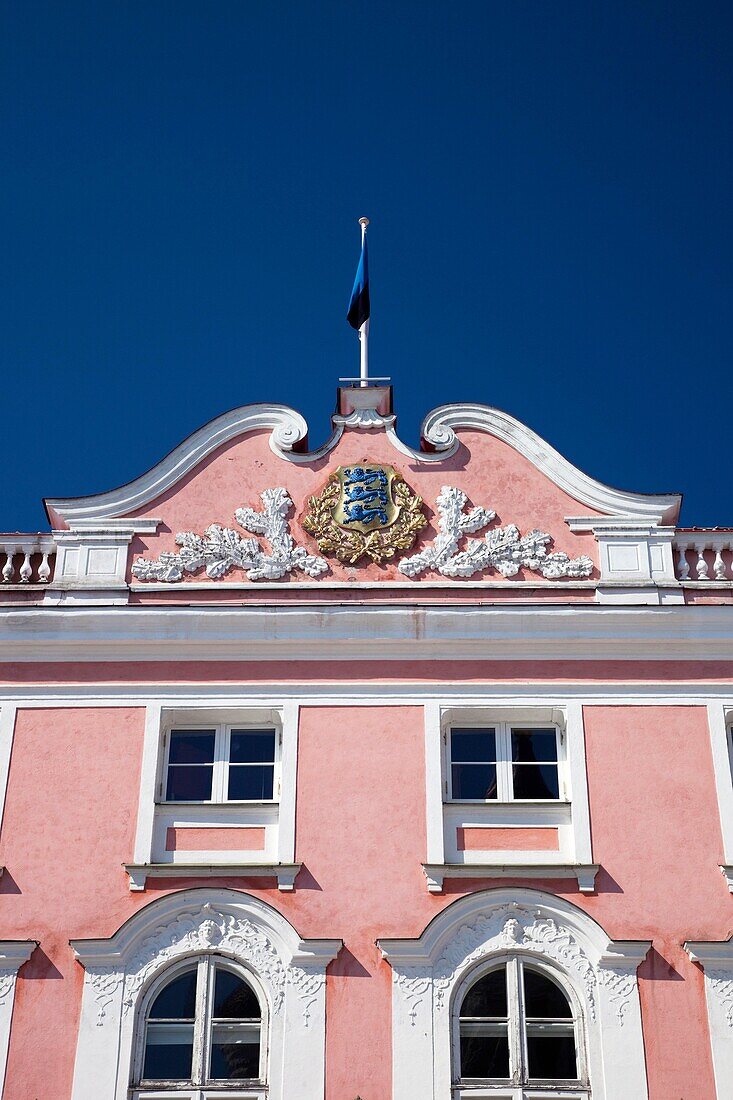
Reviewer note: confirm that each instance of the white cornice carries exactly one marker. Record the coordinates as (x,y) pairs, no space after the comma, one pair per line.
(333,632)
(289,429)
(439,428)
(287,426)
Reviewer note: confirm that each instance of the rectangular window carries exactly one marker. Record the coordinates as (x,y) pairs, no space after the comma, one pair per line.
(221,764)
(503,762)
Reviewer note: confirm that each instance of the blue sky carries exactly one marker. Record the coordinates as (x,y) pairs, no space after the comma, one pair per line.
(550,189)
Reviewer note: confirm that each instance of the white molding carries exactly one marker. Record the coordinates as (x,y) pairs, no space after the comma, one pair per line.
(720,749)
(575,757)
(716,960)
(584,873)
(288,782)
(149,771)
(498,924)
(289,430)
(291,972)
(272,694)
(285,873)
(439,428)
(386,632)
(13,953)
(8,713)
(434,783)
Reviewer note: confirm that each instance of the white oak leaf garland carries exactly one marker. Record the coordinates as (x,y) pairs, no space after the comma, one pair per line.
(502,549)
(220,549)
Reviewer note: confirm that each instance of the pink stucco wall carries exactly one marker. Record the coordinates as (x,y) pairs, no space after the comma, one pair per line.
(360,833)
(491,472)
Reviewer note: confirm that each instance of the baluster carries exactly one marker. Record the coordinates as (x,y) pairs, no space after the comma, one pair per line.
(683,566)
(701,565)
(25,569)
(9,568)
(719,565)
(44,569)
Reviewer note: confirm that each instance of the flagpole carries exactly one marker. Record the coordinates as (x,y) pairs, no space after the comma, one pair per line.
(364,330)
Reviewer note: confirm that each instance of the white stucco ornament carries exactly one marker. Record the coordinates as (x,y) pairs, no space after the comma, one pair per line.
(220,549)
(502,549)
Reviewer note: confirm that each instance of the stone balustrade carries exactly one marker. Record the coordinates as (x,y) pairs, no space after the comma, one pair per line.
(704,555)
(26,559)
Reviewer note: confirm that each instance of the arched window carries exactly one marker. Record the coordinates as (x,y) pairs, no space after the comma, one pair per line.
(515,1024)
(202,1026)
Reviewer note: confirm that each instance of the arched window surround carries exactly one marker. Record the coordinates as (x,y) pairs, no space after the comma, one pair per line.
(480,930)
(479,969)
(290,974)
(163,977)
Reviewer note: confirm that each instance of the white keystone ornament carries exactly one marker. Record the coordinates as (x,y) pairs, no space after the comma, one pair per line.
(220,549)
(502,549)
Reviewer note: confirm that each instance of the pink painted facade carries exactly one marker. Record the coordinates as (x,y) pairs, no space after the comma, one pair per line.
(366,888)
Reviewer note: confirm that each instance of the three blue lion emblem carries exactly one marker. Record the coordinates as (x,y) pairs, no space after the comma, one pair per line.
(365,495)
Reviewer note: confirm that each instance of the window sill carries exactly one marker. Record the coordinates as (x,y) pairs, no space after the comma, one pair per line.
(504,803)
(285,873)
(585,873)
(267,802)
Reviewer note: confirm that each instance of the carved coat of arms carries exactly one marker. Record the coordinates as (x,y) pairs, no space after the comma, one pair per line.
(365,510)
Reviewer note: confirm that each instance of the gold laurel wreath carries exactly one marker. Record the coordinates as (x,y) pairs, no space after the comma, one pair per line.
(378,545)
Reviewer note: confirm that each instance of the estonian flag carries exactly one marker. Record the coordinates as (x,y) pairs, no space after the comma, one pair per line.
(359,307)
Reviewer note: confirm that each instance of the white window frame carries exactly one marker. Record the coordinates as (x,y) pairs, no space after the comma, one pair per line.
(504,778)
(569,815)
(220,771)
(277,816)
(201,1033)
(181,926)
(517,1034)
(720,725)
(484,928)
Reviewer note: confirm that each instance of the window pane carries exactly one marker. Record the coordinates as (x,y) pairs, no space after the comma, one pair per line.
(177,1000)
(187,783)
(543,999)
(551,1057)
(233,998)
(192,747)
(487,997)
(473,745)
(474,781)
(535,781)
(168,1052)
(253,781)
(252,746)
(531,746)
(484,1056)
(235,1052)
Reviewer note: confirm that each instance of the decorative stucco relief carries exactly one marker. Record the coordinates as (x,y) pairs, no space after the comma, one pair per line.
(415,984)
(502,549)
(193,933)
(514,928)
(7,981)
(105,981)
(721,983)
(620,985)
(220,549)
(308,985)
